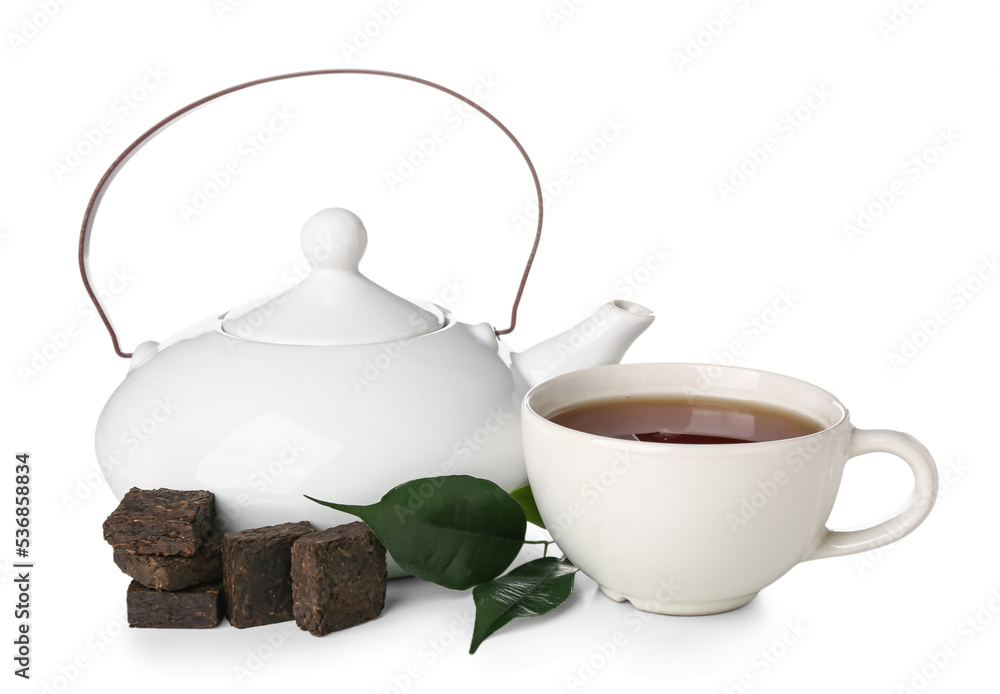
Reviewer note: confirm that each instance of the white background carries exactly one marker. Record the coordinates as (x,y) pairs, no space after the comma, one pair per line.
(893,76)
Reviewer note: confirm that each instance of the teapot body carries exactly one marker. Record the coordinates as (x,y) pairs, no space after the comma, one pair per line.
(262,424)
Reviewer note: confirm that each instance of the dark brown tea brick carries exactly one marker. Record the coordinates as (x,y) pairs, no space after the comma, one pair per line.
(338,578)
(162,521)
(199,607)
(172,573)
(256,573)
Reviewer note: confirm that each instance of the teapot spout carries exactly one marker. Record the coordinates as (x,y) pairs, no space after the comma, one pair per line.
(603,338)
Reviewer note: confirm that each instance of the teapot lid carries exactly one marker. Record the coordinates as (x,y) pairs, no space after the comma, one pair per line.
(334,304)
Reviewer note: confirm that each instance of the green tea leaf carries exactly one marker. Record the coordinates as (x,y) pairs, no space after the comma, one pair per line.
(457,531)
(523,496)
(530,590)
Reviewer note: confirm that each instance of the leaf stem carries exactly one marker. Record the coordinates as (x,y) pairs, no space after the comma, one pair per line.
(545,550)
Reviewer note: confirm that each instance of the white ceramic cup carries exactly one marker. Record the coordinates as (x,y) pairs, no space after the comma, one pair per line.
(698,529)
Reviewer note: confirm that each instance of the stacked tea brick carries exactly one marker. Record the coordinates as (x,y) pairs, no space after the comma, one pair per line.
(165,540)
(181,569)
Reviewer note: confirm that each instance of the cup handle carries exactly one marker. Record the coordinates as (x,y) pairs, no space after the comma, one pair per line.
(837,543)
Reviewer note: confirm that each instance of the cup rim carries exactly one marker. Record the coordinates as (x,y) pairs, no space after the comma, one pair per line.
(649,446)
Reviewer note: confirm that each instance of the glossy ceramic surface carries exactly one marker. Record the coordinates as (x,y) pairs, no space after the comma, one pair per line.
(700,529)
(291,396)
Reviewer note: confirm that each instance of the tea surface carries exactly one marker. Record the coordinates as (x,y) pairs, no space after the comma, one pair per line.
(683,420)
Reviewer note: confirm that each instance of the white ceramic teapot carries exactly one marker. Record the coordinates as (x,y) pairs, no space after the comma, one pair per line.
(336,388)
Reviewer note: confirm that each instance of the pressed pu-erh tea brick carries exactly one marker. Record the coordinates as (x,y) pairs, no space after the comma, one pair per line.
(162,521)
(199,607)
(338,578)
(256,573)
(172,573)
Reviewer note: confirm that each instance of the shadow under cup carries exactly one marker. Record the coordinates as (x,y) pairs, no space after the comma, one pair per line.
(700,528)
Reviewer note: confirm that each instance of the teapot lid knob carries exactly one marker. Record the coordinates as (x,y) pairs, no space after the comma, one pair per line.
(334,239)
(334,304)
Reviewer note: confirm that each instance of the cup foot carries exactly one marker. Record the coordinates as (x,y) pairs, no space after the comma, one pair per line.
(681,608)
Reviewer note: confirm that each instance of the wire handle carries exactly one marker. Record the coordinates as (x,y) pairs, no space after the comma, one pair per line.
(116,166)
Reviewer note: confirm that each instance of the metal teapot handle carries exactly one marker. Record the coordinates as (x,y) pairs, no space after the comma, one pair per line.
(119,163)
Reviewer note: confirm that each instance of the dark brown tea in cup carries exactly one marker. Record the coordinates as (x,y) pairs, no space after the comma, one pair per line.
(685,420)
